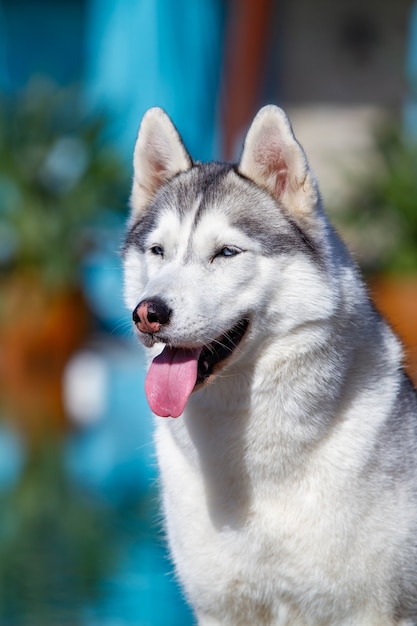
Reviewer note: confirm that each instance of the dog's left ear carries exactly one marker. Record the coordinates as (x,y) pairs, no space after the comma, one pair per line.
(274,160)
(159,156)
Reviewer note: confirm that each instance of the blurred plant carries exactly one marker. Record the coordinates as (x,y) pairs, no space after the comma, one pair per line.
(64,548)
(381,218)
(56,175)
(55,545)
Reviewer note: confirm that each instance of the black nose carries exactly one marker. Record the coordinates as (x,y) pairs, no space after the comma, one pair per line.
(151,314)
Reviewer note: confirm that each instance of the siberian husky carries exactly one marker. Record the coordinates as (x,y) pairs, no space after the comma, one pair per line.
(289,479)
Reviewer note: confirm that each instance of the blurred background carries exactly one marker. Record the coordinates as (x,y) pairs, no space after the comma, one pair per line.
(80,536)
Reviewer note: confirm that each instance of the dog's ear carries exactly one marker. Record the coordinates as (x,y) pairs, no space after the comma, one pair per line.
(274,160)
(159,155)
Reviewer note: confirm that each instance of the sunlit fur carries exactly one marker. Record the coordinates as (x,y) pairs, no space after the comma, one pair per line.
(289,482)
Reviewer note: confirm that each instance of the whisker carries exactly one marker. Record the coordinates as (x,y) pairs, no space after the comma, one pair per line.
(123,327)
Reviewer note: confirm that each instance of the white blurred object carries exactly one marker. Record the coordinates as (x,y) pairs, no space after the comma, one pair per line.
(85,386)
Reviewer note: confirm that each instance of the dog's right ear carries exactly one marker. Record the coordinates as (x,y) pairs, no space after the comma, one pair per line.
(159,155)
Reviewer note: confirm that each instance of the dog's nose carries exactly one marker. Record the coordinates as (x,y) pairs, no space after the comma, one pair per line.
(151,314)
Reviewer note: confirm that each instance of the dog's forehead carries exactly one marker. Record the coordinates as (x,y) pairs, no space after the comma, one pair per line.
(195,221)
(214,197)
(213,188)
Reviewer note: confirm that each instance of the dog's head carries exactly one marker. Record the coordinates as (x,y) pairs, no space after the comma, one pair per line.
(219,258)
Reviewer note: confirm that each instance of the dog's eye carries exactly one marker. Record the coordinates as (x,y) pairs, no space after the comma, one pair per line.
(157,250)
(229,251)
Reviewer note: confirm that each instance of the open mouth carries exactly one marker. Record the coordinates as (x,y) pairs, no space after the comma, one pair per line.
(174,374)
(219,350)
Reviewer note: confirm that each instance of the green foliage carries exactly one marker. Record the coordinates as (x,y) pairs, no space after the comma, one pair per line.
(54,545)
(56,175)
(62,546)
(383,211)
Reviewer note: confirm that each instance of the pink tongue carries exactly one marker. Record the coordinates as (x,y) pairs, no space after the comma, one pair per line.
(171,379)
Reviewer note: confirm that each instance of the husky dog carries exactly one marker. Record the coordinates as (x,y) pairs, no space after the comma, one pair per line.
(289,481)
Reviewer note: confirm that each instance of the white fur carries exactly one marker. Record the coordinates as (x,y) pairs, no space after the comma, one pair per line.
(280,509)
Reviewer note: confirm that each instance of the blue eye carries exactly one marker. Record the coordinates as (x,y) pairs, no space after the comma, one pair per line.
(229,251)
(157,250)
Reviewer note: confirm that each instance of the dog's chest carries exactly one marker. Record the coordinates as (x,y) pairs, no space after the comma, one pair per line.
(240,540)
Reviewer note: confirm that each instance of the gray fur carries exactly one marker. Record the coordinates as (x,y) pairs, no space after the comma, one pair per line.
(213,181)
(289,481)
